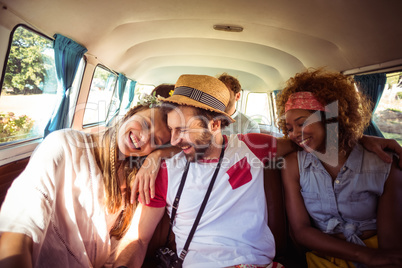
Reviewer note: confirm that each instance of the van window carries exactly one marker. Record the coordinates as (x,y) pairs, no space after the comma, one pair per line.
(388,114)
(274,109)
(28,90)
(100,96)
(140,91)
(258,108)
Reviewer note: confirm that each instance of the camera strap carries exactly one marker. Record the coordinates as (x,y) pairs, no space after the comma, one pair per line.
(202,207)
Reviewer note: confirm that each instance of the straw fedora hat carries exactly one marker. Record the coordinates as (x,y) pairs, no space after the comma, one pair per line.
(201,91)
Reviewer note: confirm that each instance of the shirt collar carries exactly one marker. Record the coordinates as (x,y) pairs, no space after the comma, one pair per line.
(354,161)
(235,114)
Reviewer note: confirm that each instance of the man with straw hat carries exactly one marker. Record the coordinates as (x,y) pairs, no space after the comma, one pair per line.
(232,229)
(218,181)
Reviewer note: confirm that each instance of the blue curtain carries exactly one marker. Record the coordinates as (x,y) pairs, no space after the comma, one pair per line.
(122,80)
(67,55)
(372,85)
(131,93)
(122,86)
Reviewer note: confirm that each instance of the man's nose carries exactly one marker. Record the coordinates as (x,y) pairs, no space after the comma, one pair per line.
(175,138)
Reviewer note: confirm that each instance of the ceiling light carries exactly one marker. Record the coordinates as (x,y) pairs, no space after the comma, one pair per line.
(228,28)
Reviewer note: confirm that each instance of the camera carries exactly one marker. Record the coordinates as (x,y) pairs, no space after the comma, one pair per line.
(167,258)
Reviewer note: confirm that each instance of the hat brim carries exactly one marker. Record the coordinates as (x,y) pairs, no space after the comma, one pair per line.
(183,100)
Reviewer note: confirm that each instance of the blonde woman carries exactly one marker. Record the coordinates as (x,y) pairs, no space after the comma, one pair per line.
(71,205)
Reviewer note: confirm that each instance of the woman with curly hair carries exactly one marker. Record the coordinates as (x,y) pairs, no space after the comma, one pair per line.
(71,205)
(343,202)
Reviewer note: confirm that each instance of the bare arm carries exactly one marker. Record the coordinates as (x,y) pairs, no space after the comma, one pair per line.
(144,181)
(133,246)
(285,146)
(314,239)
(15,250)
(389,216)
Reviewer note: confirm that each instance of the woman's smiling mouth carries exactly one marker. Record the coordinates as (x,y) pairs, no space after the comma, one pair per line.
(303,142)
(134,140)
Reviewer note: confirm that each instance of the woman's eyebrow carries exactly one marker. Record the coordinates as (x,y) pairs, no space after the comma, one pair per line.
(300,117)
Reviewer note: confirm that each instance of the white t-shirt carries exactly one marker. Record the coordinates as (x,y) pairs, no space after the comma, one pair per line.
(58,201)
(233,228)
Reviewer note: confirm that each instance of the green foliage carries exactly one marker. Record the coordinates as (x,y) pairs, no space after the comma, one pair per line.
(14,127)
(395,110)
(27,62)
(399,95)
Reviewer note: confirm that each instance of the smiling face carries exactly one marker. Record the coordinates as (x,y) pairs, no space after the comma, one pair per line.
(306,129)
(142,133)
(190,133)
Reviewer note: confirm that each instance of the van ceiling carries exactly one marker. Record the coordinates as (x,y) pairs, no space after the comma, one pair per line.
(155,41)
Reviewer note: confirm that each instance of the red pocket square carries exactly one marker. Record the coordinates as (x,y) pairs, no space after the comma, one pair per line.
(239,174)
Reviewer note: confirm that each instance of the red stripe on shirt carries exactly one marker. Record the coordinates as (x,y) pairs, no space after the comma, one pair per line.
(161,184)
(262,145)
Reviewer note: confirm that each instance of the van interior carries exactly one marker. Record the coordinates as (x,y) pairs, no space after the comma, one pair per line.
(129,47)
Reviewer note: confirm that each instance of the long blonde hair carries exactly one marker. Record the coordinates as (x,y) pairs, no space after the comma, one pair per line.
(107,161)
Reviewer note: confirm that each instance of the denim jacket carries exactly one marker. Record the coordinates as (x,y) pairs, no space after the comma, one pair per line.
(349,204)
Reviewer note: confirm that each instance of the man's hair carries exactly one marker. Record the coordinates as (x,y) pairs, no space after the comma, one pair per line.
(231,82)
(203,114)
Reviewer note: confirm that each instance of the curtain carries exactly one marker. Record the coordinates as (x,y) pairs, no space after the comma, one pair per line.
(121,85)
(276,92)
(131,93)
(372,85)
(67,56)
(120,93)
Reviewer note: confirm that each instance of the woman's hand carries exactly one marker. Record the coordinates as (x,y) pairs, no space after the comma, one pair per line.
(383,258)
(144,181)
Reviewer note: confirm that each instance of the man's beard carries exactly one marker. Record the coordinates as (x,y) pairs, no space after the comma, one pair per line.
(201,146)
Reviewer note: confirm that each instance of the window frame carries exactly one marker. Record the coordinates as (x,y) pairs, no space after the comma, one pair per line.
(99,123)
(268,113)
(23,148)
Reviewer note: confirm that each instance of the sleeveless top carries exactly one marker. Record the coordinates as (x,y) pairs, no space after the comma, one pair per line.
(349,204)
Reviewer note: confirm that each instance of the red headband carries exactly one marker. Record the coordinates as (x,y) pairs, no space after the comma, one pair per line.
(303,100)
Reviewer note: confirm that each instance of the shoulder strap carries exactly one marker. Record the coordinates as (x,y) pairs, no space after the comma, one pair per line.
(176,200)
(204,203)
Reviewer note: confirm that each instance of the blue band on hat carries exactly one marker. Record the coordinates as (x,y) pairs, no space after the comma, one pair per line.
(200,96)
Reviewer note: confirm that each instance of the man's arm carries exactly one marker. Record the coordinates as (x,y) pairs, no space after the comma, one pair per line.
(379,146)
(133,246)
(285,146)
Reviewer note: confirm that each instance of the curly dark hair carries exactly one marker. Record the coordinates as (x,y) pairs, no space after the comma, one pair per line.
(354,109)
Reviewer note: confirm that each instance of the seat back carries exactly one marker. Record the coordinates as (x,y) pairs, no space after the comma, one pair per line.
(276,209)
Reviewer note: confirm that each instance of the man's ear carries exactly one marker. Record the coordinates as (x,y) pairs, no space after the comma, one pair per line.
(237,96)
(215,125)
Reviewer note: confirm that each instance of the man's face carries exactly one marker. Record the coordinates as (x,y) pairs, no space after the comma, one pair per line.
(232,101)
(188,132)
